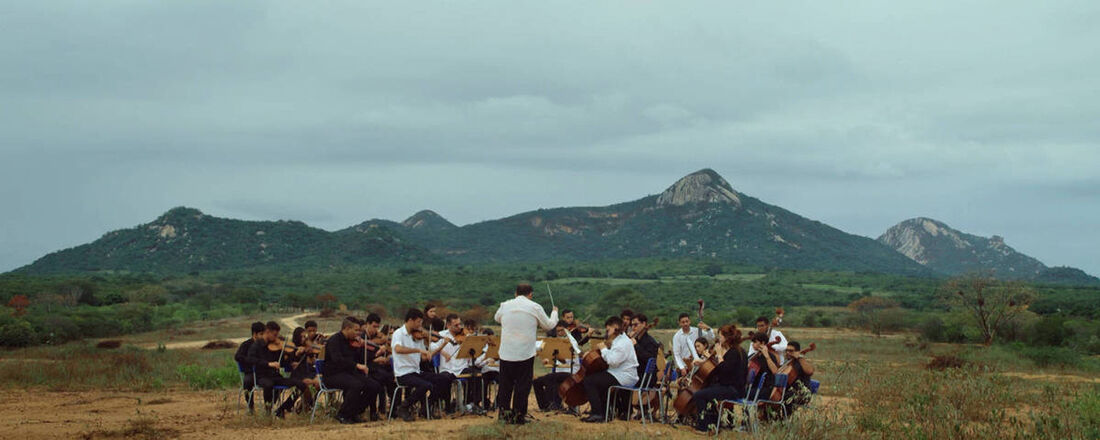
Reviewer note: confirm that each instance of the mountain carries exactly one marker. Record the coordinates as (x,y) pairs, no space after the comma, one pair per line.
(946,250)
(699,216)
(185,239)
(1066,275)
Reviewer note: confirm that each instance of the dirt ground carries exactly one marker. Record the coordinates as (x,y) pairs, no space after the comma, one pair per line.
(212,415)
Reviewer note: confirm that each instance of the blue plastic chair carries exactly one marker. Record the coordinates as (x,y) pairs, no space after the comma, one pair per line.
(248,395)
(650,370)
(276,393)
(318,366)
(748,403)
(781,383)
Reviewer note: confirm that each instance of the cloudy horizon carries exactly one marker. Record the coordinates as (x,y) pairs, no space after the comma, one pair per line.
(859,115)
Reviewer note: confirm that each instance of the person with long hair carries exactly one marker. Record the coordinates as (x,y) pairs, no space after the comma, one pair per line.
(727,381)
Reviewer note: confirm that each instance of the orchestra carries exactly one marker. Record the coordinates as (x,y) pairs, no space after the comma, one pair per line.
(384,371)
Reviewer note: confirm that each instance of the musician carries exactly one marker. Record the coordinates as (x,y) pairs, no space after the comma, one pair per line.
(311,331)
(345,369)
(242,359)
(574,327)
(407,355)
(378,360)
(763,326)
(627,316)
(798,391)
(683,340)
(645,347)
(622,369)
(702,351)
(766,364)
(727,381)
(449,363)
(546,387)
(300,361)
(490,370)
(266,364)
(519,318)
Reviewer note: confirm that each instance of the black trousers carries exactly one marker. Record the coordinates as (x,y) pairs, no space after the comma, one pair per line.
(595,386)
(546,390)
(358,390)
(246,382)
(488,377)
(515,386)
(421,383)
(706,402)
(384,377)
(268,383)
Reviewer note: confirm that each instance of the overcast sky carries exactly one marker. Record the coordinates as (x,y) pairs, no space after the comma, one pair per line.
(983,115)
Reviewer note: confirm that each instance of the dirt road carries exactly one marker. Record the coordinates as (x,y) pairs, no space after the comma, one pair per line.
(288,323)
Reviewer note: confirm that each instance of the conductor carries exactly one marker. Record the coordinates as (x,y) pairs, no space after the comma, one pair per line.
(520,319)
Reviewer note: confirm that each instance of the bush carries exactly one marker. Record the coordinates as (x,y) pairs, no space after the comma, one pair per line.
(15,332)
(1050,356)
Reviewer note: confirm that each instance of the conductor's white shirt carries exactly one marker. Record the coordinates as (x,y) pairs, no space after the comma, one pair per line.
(520,319)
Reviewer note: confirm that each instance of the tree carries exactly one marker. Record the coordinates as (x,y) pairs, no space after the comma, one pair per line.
(712,269)
(988,301)
(20,304)
(876,313)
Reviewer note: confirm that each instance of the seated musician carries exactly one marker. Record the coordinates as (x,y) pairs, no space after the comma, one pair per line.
(450,365)
(627,316)
(490,372)
(683,340)
(345,370)
(798,391)
(300,360)
(312,334)
(574,327)
(266,363)
(726,382)
(242,358)
(702,351)
(768,365)
(378,360)
(408,352)
(763,326)
(546,386)
(622,369)
(645,347)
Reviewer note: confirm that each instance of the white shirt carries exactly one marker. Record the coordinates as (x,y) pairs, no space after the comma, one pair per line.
(520,319)
(683,344)
(405,363)
(780,347)
(483,362)
(454,365)
(622,361)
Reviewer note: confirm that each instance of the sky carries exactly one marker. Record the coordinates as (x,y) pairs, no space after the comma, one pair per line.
(981,114)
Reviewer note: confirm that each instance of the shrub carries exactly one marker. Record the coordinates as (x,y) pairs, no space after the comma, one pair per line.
(206,378)
(1050,356)
(15,332)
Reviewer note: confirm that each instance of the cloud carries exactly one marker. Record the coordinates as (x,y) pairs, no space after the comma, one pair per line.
(858,116)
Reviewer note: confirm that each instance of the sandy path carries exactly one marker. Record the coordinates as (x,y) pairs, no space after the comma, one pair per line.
(288,323)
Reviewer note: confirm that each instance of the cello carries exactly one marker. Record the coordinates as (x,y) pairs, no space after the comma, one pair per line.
(792,377)
(700,378)
(571,390)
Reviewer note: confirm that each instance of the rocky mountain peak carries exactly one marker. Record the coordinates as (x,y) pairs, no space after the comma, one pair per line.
(427,219)
(936,245)
(703,186)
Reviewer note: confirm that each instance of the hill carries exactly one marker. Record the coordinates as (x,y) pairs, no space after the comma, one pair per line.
(943,249)
(698,216)
(185,240)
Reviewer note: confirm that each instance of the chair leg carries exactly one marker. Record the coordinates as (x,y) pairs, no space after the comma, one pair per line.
(393,401)
(608,407)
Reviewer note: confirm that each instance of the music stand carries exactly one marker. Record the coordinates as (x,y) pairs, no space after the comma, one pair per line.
(555,349)
(471,349)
